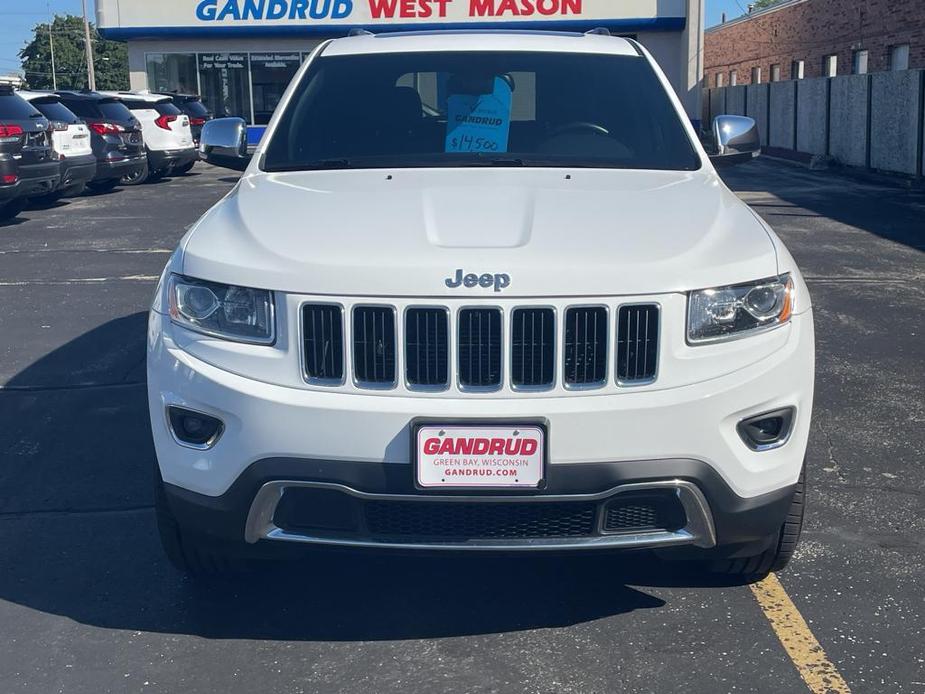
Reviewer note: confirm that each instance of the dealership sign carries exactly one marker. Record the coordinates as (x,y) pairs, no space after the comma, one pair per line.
(136,18)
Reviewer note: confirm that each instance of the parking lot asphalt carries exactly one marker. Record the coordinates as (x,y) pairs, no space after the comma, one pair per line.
(89,604)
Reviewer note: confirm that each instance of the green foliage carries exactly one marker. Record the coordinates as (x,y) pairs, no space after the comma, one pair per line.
(110,57)
(763,4)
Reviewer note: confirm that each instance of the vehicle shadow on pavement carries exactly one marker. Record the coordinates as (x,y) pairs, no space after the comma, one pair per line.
(886,209)
(78,537)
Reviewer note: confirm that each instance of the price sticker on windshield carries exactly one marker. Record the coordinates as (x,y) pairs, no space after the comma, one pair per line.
(479,122)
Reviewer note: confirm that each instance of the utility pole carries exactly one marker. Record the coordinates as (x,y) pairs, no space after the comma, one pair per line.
(91,77)
(51,47)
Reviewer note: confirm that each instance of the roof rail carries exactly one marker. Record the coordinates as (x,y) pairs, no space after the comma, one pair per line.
(598,31)
(359,31)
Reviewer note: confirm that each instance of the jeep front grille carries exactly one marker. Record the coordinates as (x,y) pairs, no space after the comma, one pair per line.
(476,349)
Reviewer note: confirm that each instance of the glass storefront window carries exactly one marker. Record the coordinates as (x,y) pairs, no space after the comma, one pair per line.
(225,84)
(172,72)
(270,75)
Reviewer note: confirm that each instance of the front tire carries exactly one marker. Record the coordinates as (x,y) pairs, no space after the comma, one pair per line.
(193,556)
(784,543)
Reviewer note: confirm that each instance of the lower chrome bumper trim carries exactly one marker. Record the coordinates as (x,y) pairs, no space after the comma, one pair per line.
(698,531)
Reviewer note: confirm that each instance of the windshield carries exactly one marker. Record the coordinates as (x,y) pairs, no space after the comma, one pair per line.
(480,108)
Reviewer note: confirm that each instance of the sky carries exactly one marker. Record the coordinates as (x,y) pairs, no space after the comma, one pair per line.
(18,17)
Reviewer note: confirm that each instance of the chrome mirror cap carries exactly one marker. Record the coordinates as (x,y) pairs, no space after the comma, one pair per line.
(224,143)
(735,140)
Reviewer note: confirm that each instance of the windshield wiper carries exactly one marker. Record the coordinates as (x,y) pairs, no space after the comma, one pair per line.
(312,165)
(501,161)
(328,164)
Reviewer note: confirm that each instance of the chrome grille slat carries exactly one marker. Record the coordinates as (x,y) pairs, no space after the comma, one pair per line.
(322,343)
(427,347)
(533,347)
(637,343)
(585,346)
(479,345)
(374,345)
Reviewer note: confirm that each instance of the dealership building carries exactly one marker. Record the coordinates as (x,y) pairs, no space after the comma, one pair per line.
(239,55)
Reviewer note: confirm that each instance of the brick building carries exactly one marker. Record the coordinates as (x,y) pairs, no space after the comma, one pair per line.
(799,39)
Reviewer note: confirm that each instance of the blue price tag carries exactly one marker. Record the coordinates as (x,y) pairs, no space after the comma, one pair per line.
(479,122)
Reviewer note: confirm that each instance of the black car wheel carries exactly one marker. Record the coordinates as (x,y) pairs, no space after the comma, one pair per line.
(137,177)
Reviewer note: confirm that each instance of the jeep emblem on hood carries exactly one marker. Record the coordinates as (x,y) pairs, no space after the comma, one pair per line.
(498,280)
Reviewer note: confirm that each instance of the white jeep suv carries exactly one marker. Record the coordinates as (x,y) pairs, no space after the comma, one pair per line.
(481,292)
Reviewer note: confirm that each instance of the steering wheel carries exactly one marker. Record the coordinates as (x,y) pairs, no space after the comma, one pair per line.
(579,125)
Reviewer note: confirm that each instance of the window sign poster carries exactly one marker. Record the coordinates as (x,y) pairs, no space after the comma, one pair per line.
(479,122)
(225,84)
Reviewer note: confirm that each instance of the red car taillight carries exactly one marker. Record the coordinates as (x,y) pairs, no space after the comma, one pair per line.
(197,121)
(164,121)
(10,133)
(106,128)
(8,179)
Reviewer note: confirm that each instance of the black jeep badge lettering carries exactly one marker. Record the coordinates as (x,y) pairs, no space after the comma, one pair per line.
(498,280)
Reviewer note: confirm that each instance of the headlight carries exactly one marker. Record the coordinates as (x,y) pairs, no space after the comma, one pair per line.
(728,312)
(233,313)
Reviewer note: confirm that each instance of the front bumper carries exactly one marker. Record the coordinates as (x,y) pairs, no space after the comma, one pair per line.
(278,437)
(248,510)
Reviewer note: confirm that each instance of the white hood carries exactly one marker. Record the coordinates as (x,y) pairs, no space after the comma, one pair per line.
(555,232)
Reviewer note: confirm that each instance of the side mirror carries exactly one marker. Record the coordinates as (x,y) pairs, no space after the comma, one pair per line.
(224,143)
(735,140)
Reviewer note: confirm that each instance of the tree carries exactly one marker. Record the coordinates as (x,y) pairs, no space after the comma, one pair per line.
(763,4)
(110,57)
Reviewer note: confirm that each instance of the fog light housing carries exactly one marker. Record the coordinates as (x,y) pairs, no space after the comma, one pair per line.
(194,429)
(767,430)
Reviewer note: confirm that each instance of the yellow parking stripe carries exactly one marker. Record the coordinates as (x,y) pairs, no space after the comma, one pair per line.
(795,636)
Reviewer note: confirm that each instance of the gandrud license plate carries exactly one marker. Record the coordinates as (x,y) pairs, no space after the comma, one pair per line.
(480,456)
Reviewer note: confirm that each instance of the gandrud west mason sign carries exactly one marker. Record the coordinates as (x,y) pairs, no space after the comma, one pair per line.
(124,19)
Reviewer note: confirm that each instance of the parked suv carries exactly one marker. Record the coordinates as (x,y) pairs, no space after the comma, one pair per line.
(115,136)
(70,140)
(168,139)
(199,114)
(503,309)
(28,167)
